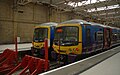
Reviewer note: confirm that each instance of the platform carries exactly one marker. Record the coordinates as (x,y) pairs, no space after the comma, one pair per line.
(24,46)
(111,66)
(105,63)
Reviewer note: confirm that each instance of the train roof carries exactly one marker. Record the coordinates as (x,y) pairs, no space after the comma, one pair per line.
(49,24)
(115,28)
(98,24)
(75,21)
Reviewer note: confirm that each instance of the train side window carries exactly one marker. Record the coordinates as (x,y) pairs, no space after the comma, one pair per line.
(88,36)
(99,36)
(88,33)
(95,36)
(114,36)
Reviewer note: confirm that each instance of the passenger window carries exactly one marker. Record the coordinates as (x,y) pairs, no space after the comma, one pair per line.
(88,36)
(99,36)
(88,33)
(95,36)
(114,36)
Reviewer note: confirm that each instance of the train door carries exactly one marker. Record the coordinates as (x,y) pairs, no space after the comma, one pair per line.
(88,39)
(108,37)
(105,39)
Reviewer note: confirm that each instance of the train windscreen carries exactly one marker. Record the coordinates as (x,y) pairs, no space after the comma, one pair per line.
(66,36)
(40,34)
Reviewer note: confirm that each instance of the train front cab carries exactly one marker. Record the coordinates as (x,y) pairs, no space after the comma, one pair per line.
(45,30)
(68,41)
(72,40)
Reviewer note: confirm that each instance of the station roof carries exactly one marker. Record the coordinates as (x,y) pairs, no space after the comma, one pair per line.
(106,10)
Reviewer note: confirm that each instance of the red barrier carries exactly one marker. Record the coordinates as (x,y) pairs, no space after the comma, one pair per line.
(59,53)
(39,68)
(5,54)
(23,64)
(9,63)
(46,54)
(16,48)
(33,64)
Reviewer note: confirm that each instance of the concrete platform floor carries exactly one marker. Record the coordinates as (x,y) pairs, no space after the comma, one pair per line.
(111,66)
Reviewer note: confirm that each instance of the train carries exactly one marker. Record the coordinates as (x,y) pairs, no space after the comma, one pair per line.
(77,38)
(42,31)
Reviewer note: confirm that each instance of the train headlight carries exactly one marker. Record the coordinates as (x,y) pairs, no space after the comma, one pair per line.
(77,49)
